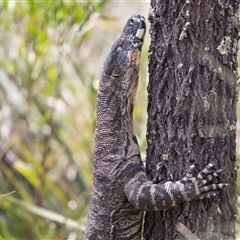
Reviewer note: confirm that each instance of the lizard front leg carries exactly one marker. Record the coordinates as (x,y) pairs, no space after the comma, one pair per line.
(145,195)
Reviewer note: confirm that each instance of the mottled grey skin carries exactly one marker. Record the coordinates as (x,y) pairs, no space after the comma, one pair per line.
(121,190)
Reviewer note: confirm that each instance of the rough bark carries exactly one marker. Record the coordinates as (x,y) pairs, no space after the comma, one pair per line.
(192,111)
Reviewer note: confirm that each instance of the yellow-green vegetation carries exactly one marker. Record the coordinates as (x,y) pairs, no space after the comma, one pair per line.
(47,117)
(51,53)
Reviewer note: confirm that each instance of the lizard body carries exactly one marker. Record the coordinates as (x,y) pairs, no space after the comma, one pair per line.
(121,190)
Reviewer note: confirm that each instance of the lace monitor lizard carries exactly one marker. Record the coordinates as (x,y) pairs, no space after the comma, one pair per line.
(121,190)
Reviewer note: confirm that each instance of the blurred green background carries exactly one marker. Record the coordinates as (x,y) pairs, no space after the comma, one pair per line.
(51,56)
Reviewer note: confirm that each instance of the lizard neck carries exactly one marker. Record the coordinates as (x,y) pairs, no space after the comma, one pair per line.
(112,109)
(114,126)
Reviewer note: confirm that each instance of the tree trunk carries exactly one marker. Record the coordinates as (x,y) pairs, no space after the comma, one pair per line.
(192,111)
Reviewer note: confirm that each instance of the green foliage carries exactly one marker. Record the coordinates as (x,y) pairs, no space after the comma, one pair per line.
(47,102)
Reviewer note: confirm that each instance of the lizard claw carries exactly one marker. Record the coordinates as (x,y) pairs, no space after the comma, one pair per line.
(202,186)
(190,171)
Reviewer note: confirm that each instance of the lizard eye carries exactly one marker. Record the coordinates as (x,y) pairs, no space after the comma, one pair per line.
(131,21)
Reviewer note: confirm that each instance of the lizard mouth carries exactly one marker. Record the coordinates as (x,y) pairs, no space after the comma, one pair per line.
(140,33)
(141,29)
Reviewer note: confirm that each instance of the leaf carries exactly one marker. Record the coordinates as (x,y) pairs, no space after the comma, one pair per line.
(45,213)
(4,195)
(12,92)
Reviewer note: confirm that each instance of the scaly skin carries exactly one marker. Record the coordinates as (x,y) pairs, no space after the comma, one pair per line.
(121,190)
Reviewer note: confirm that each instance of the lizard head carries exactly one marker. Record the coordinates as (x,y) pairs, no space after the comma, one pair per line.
(120,58)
